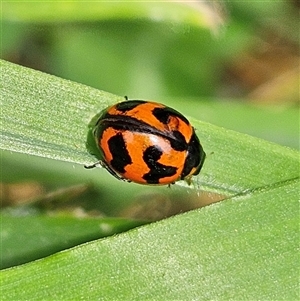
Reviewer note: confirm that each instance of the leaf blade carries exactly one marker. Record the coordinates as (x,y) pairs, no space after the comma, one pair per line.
(237,252)
(48,116)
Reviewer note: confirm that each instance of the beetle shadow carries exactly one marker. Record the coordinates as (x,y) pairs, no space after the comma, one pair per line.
(90,143)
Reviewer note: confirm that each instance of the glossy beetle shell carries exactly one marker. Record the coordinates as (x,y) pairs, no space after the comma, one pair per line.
(148,143)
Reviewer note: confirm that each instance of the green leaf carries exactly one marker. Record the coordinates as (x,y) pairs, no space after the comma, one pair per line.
(41,235)
(244,248)
(47,116)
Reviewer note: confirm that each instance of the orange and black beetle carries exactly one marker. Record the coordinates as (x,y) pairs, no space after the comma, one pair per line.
(147,143)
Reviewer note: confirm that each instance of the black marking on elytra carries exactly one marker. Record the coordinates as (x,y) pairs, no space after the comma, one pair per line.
(123,122)
(112,172)
(128,123)
(179,143)
(157,170)
(117,148)
(128,105)
(195,157)
(163,115)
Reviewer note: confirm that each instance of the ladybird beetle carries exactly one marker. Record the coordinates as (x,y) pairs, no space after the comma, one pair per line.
(147,143)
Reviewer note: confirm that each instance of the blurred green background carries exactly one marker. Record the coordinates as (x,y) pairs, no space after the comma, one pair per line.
(204,52)
(234,64)
(194,53)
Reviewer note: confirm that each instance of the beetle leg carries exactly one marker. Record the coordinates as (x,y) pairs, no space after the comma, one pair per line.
(106,166)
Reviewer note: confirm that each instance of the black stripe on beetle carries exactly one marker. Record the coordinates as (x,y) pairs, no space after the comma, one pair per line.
(128,105)
(131,124)
(118,150)
(195,156)
(157,170)
(163,115)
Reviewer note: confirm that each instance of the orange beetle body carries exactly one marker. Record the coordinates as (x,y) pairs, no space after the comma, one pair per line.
(147,143)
